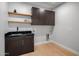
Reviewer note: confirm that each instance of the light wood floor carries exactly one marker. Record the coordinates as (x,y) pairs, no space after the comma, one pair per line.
(49,49)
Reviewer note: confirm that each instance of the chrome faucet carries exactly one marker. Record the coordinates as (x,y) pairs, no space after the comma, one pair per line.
(17,28)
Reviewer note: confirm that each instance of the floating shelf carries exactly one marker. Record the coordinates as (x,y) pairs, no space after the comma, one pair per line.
(19,22)
(19,14)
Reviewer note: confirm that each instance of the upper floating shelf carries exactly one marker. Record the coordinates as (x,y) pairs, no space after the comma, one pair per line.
(19,14)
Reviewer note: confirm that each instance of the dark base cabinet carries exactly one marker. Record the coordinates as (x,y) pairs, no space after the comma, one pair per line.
(17,45)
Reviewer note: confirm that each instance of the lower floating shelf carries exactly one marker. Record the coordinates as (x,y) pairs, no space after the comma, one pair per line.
(19,22)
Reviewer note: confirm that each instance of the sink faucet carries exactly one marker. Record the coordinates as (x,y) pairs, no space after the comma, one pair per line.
(17,28)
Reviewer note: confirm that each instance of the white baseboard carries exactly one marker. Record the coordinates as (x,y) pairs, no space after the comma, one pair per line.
(69,49)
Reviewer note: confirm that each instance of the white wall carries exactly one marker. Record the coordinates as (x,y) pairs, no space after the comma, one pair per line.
(40,30)
(66,30)
(3,25)
(20,7)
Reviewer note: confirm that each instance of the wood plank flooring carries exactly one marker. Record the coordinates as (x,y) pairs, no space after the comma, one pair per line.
(49,49)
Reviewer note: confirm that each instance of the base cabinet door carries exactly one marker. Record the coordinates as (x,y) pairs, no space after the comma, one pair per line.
(28,44)
(13,45)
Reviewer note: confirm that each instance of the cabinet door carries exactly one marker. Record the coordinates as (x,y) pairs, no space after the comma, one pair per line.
(50,17)
(35,16)
(28,44)
(13,45)
(42,18)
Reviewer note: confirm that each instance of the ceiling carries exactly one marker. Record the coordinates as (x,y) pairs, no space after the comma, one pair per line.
(45,5)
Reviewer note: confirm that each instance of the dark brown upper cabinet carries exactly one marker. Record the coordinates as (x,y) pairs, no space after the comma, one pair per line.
(42,17)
